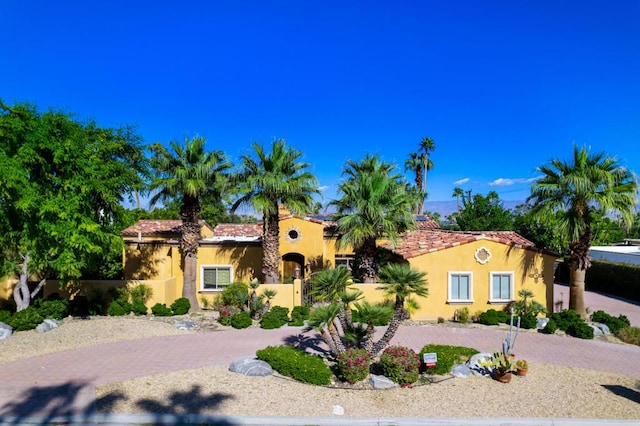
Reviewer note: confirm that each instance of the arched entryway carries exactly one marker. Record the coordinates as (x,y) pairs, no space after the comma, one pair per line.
(292,266)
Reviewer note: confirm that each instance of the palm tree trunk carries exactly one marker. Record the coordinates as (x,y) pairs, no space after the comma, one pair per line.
(579,262)
(369,262)
(394,324)
(271,247)
(189,242)
(419,184)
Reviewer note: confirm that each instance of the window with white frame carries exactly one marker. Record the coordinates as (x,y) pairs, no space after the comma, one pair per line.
(460,287)
(501,287)
(344,260)
(215,277)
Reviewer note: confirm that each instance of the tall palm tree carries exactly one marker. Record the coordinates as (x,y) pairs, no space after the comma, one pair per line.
(271,180)
(400,282)
(591,184)
(188,173)
(415,163)
(375,203)
(426,145)
(458,193)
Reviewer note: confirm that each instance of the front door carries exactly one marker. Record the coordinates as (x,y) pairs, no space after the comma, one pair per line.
(292,267)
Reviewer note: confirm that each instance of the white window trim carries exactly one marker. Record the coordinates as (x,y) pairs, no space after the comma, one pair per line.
(511,289)
(452,301)
(210,290)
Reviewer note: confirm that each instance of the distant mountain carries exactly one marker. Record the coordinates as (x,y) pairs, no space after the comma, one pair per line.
(445,208)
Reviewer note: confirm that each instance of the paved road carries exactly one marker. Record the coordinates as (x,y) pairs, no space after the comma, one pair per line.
(63,383)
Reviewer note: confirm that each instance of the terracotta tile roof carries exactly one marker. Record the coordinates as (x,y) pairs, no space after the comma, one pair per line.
(238,230)
(423,241)
(148,227)
(425,222)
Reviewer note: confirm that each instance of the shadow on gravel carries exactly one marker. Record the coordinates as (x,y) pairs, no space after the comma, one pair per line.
(624,392)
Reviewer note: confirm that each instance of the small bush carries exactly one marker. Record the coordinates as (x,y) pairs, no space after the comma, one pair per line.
(630,335)
(236,294)
(225,314)
(551,327)
(141,292)
(275,318)
(400,364)
(138,307)
(565,319)
(489,317)
(297,364)
(180,306)
(463,315)
(26,319)
(5,316)
(118,308)
(161,310)
(52,308)
(447,357)
(299,315)
(241,320)
(528,321)
(581,330)
(353,365)
(615,324)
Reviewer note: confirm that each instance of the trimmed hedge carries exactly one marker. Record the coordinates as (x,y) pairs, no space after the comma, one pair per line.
(299,315)
(241,320)
(275,318)
(618,279)
(161,310)
(493,317)
(615,324)
(26,319)
(447,356)
(297,364)
(180,306)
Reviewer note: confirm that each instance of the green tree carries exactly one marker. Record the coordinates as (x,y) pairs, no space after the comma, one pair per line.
(188,173)
(458,193)
(270,181)
(589,183)
(415,163)
(61,185)
(426,146)
(541,232)
(375,203)
(482,213)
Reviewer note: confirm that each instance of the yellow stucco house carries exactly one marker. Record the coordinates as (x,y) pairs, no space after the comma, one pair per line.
(477,270)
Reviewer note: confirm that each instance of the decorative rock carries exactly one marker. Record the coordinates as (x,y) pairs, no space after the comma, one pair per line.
(381,382)
(47,325)
(251,367)
(476,368)
(460,370)
(184,325)
(596,331)
(542,323)
(338,410)
(5,330)
(604,328)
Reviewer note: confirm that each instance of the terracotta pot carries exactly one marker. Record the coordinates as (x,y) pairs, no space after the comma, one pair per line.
(521,371)
(503,377)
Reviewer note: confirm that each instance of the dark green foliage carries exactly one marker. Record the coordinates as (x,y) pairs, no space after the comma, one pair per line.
(615,324)
(52,308)
(481,213)
(614,278)
(5,316)
(565,319)
(447,357)
(381,321)
(26,319)
(551,327)
(493,317)
(400,364)
(79,306)
(241,320)
(299,315)
(297,364)
(275,318)
(281,312)
(353,365)
(180,306)
(527,321)
(118,308)
(138,307)
(581,330)
(236,294)
(161,310)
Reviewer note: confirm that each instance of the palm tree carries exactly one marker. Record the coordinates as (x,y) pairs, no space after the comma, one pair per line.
(188,173)
(426,145)
(370,315)
(458,193)
(322,319)
(400,282)
(375,203)
(591,184)
(415,163)
(270,181)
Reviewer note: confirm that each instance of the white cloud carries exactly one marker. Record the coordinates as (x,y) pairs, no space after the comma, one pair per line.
(323,188)
(461,181)
(509,181)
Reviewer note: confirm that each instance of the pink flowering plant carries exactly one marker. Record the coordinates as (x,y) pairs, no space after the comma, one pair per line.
(353,365)
(400,364)
(225,313)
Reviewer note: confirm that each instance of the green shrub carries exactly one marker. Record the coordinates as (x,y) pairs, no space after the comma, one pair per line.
(180,306)
(118,308)
(381,321)
(241,320)
(353,365)
(275,318)
(52,308)
(141,292)
(581,330)
(161,310)
(138,307)
(565,319)
(400,364)
(447,357)
(463,315)
(299,315)
(528,321)
(26,319)
(5,316)
(489,317)
(236,294)
(297,364)
(630,335)
(551,327)
(225,314)
(615,324)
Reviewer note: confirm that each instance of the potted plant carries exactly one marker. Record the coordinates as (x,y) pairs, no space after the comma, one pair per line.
(503,366)
(522,366)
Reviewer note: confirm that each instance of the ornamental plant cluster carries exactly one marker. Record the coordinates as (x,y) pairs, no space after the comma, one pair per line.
(400,364)
(295,363)
(353,365)
(569,322)
(41,309)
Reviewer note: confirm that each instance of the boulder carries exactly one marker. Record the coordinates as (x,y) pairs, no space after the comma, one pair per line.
(5,330)
(251,367)
(47,325)
(474,364)
(381,382)
(596,330)
(460,370)
(184,325)
(604,328)
(542,323)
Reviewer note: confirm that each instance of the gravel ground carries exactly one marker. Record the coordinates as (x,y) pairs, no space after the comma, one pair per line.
(547,391)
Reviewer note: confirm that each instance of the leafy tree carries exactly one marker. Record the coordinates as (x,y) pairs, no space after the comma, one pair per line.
(188,173)
(480,213)
(61,185)
(375,203)
(269,181)
(541,232)
(573,191)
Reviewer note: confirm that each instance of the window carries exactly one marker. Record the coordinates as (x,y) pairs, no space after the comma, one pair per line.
(460,287)
(214,278)
(501,287)
(345,260)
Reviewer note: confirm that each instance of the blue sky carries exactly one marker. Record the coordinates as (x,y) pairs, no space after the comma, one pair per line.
(501,86)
